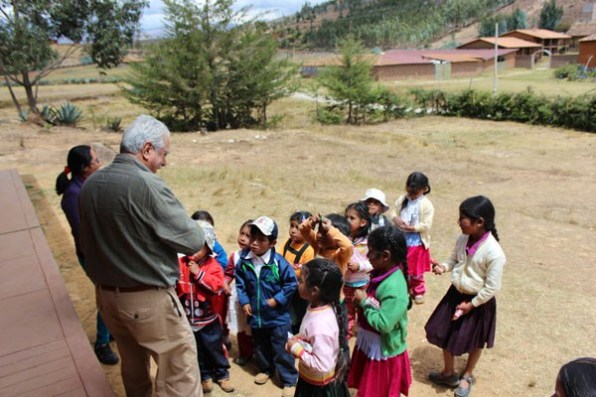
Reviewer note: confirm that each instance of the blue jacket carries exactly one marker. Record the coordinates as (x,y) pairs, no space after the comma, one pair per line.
(276,280)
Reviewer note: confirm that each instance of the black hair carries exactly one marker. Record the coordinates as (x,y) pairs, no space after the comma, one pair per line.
(362,210)
(340,223)
(578,377)
(416,180)
(78,158)
(480,207)
(246,223)
(202,215)
(300,216)
(326,275)
(393,240)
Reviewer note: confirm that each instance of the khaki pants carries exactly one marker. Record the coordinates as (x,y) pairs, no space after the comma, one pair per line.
(148,324)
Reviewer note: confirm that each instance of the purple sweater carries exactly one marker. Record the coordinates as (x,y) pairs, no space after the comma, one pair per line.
(70,206)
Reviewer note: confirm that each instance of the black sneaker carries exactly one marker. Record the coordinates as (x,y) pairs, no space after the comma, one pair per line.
(105,355)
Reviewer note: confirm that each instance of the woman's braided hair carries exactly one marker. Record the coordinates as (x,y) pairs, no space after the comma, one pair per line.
(326,275)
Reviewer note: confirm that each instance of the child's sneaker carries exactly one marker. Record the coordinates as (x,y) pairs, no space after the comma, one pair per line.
(262,378)
(419,299)
(241,361)
(226,385)
(105,355)
(288,391)
(207,385)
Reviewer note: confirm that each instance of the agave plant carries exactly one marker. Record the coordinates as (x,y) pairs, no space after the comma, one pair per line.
(67,114)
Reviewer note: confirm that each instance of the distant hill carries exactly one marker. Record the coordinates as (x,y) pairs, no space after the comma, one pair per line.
(403,23)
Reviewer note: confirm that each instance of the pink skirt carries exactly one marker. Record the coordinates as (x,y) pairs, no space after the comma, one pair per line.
(380,378)
(418,260)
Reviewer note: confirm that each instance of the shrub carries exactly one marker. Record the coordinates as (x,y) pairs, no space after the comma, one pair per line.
(329,115)
(67,114)
(114,124)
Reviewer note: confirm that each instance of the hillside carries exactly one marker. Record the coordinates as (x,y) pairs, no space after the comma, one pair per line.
(403,23)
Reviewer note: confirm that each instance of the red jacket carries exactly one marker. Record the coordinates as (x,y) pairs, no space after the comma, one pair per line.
(196,292)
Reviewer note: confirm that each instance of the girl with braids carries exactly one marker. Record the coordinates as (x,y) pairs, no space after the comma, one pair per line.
(464,321)
(82,162)
(380,362)
(413,215)
(357,275)
(321,346)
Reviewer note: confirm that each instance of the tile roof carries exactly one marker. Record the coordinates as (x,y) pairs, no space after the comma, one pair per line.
(507,42)
(589,38)
(539,33)
(413,57)
(582,29)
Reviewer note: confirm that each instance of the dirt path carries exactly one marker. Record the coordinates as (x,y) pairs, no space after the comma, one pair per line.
(541,180)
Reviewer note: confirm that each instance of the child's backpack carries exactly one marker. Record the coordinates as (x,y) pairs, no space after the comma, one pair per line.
(297,253)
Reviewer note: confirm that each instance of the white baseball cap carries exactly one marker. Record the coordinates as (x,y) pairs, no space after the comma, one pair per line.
(266,225)
(377,195)
(209,233)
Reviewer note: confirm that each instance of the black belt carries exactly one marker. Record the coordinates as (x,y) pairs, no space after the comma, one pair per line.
(137,288)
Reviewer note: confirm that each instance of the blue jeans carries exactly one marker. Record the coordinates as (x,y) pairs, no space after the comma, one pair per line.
(271,354)
(102,336)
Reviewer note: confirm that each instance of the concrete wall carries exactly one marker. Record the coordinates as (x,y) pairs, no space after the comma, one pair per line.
(561,60)
(404,72)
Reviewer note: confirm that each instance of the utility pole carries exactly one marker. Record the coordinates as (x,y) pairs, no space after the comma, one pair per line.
(496,59)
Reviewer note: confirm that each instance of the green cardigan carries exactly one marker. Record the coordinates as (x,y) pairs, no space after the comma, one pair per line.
(391,320)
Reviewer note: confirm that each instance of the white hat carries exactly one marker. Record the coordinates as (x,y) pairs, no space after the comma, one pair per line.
(209,233)
(266,225)
(377,195)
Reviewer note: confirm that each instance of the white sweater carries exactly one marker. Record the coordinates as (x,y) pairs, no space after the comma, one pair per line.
(480,274)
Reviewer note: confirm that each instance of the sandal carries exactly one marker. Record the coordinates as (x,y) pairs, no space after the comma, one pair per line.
(439,378)
(465,392)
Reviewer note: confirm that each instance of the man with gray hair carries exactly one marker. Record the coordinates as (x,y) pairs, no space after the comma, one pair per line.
(132,227)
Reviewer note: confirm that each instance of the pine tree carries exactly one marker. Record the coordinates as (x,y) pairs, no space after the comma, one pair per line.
(215,69)
(550,15)
(351,83)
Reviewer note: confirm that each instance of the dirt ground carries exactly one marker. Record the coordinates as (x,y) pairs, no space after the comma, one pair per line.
(541,180)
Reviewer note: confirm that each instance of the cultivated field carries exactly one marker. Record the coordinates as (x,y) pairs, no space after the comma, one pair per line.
(540,179)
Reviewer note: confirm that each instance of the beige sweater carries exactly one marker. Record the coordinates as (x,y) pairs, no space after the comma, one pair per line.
(427,212)
(480,274)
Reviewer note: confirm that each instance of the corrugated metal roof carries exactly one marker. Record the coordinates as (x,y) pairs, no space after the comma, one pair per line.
(454,58)
(539,33)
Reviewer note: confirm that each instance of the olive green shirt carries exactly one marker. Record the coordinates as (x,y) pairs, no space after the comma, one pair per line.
(132,227)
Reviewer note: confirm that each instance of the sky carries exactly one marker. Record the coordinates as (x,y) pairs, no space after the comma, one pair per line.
(152,19)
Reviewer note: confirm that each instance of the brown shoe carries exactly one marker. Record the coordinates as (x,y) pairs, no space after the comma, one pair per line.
(207,386)
(226,385)
(262,378)
(288,391)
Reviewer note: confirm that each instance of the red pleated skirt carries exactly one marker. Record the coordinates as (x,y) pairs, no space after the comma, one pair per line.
(380,378)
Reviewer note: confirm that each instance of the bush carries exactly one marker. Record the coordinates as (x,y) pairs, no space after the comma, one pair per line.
(67,114)
(329,115)
(114,124)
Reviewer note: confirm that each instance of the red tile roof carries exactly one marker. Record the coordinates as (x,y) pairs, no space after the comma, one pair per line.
(539,33)
(413,57)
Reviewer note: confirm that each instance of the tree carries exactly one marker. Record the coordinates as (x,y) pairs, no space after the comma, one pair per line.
(29,27)
(550,15)
(215,68)
(351,83)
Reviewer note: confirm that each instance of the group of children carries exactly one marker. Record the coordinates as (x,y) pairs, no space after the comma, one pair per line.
(340,273)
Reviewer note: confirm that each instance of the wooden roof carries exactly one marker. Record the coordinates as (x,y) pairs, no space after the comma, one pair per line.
(43,349)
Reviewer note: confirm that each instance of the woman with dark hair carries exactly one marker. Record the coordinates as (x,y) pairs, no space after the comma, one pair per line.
(81,163)
(577,378)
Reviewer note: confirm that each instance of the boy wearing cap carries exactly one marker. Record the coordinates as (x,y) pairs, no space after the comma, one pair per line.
(201,280)
(265,283)
(376,202)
